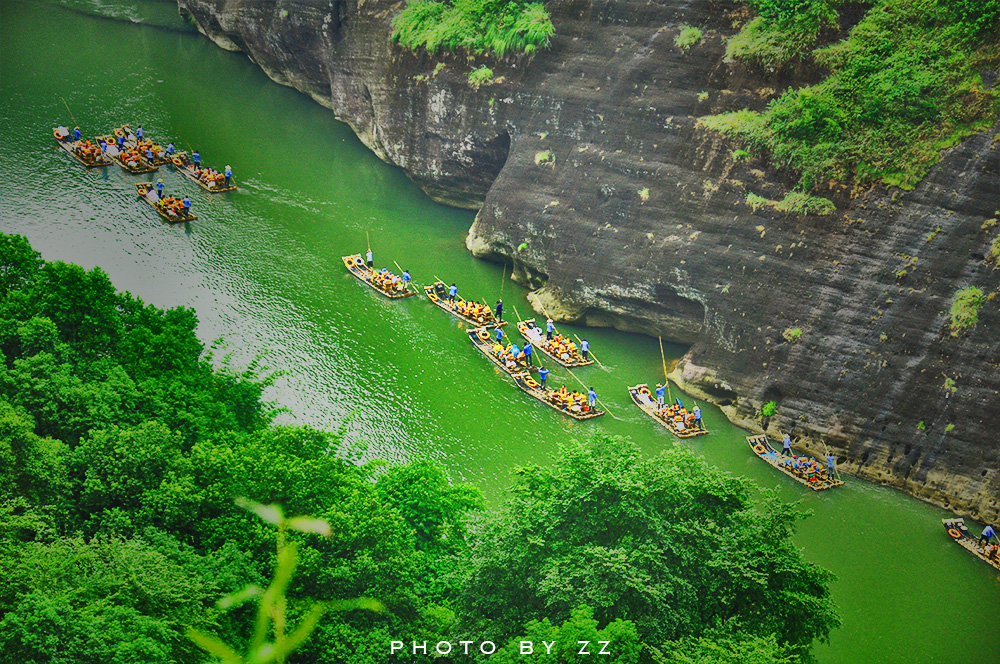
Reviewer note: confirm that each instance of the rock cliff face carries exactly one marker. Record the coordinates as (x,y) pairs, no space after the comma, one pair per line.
(633,218)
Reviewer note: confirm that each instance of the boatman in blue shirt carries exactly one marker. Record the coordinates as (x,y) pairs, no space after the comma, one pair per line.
(76,133)
(138,132)
(988,533)
(228,174)
(187,205)
(543,373)
(592,398)
(660,389)
(786,445)
(170,148)
(370,258)
(527,354)
(831,465)
(406,278)
(584,348)
(499,335)
(549,329)
(196,158)
(452,292)
(697,417)
(500,310)
(159,187)
(121,141)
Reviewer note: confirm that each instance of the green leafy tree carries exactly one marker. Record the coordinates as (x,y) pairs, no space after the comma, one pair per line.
(618,643)
(667,543)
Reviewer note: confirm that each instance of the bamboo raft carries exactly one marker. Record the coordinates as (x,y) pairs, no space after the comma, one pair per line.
(762,448)
(532,387)
(144,188)
(69,145)
(437,292)
(182,162)
(538,342)
(956,528)
(485,342)
(356,266)
(644,399)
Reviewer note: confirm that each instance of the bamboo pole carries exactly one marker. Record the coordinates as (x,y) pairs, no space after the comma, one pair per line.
(663,358)
(75,123)
(369,238)
(503,276)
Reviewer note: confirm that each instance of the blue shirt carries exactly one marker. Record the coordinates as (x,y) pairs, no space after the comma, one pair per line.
(830,461)
(584,345)
(121,141)
(527,349)
(406,275)
(369,256)
(453,290)
(592,396)
(229,172)
(549,327)
(988,532)
(138,132)
(499,334)
(76,133)
(159,187)
(697,413)
(659,391)
(170,148)
(543,373)
(187,202)
(786,442)
(196,157)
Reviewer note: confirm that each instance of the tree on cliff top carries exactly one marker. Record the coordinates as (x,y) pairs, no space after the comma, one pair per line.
(480,26)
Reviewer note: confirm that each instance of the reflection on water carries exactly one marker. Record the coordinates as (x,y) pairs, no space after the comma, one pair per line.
(262,269)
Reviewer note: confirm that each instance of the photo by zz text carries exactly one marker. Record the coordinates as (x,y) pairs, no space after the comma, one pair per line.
(526,648)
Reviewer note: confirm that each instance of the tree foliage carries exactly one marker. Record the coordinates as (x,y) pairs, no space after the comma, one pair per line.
(667,543)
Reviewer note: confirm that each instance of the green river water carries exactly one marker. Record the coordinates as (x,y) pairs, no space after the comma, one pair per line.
(262,269)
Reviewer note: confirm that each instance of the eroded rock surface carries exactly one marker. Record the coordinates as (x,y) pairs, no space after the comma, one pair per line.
(588,154)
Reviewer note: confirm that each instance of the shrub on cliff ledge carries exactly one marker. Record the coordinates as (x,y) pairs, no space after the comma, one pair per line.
(902,87)
(687,37)
(481,26)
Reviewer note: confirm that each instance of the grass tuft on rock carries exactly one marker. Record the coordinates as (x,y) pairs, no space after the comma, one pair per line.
(796,202)
(687,37)
(965,310)
(482,75)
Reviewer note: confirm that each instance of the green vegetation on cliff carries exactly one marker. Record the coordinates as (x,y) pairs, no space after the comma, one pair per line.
(480,26)
(123,453)
(903,86)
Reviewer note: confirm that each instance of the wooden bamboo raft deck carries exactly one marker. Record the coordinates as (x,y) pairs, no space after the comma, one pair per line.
(643,398)
(144,188)
(68,144)
(485,341)
(532,387)
(538,342)
(182,162)
(356,266)
(432,292)
(956,528)
(762,448)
